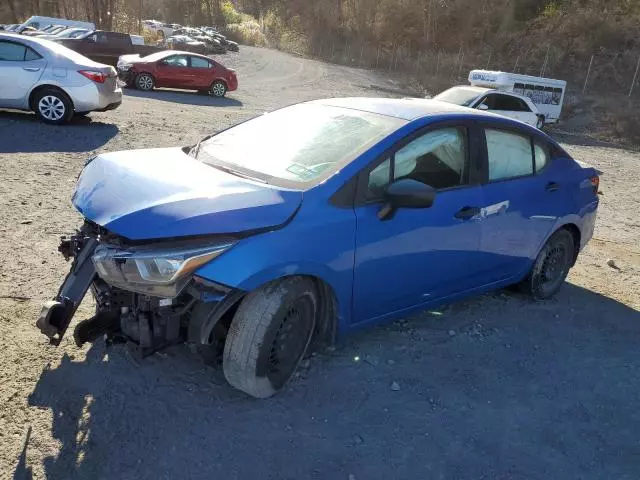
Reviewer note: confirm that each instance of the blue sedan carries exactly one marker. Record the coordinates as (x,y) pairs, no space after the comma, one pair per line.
(306,223)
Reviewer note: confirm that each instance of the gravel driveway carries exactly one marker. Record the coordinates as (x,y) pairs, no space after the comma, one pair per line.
(496,387)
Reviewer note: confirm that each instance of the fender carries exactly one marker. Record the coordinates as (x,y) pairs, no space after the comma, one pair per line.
(48,83)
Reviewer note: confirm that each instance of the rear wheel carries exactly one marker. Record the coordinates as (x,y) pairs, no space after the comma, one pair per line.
(53,106)
(218,88)
(540,123)
(145,82)
(269,336)
(551,267)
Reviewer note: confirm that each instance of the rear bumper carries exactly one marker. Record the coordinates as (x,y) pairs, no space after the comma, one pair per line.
(94,97)
(111,106)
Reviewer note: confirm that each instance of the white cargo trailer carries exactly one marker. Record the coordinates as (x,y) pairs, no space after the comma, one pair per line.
(547,94)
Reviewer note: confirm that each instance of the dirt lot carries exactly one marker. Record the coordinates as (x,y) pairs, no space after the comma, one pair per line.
(496,387)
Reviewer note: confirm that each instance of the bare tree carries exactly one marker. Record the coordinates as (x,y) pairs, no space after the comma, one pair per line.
(12,9)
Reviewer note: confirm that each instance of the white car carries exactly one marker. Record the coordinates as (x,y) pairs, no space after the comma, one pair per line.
(508,104)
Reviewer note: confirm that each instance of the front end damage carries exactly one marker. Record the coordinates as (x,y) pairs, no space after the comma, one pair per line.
(145,294)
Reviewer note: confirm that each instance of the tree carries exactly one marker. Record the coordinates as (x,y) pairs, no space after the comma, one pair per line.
(12,9)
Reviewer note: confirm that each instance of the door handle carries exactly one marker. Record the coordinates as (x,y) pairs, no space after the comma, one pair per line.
(31,69)
(467,212)
(552,187)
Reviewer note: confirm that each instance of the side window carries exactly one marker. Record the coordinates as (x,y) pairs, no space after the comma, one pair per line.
(489,101)
(12,52)
(177,61)
(378,180)
(437,158)
(197,62)
(31,55)
(509,104)
(523,105)
(509,154)
(541,156)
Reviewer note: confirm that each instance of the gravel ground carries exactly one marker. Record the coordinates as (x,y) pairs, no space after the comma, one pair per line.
(496,387)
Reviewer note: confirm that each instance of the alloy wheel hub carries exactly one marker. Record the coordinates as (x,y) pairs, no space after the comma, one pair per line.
(51,107)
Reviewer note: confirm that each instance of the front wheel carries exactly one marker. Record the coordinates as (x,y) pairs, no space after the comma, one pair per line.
(269,335)
(145,82)
(551,266)
(218,89)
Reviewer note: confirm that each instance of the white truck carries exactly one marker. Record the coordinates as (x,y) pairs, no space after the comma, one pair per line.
(547,94)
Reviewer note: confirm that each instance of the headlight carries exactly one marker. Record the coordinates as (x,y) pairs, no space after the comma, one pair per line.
(162,273)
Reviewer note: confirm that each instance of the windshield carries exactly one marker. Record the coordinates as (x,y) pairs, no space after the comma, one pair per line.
(462,96)
(303,144)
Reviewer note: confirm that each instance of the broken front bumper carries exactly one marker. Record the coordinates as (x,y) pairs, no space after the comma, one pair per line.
(56,314)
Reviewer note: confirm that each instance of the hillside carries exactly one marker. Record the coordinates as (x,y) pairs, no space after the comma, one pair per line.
(593,44)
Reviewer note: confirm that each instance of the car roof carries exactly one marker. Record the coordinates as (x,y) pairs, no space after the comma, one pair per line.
(404,108)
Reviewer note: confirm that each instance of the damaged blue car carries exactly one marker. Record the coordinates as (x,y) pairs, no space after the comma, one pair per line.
(291,229)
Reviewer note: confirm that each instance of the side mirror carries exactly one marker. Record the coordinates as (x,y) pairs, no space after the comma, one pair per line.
(482,106)
(406,193)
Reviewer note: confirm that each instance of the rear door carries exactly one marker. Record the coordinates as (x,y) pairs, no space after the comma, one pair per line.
(173,72)
(201,72)
(20,68)
(523,197)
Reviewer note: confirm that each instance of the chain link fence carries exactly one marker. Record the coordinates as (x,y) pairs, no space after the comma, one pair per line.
(604,71)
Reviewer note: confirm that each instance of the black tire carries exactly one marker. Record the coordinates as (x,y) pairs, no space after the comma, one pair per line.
(145,82)
(218,89)
(551,266)
(269,335)
(53,106)
(540,124)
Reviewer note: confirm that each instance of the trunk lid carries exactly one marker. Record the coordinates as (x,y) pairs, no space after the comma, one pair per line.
(164,193)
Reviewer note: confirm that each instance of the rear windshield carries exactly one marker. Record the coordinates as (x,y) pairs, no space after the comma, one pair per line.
(302,144)
(458,95)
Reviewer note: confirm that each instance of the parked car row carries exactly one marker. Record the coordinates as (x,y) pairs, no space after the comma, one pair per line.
(56,82)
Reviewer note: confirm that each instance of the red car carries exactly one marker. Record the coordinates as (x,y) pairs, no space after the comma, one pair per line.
(174,69)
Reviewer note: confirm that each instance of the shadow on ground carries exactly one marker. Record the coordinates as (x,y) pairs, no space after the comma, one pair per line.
(495,387)
(184,97)
(22,132)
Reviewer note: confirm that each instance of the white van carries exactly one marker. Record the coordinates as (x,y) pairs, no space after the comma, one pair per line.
(546,94)
(41,22)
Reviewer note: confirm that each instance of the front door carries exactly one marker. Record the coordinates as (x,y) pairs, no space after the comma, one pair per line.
(20,68)
(174,72)
(418,255)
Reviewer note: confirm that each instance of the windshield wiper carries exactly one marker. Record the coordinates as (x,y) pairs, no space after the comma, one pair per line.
(237,173)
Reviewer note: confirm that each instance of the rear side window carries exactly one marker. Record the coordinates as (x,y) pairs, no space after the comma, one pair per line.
(197,62)
(12,52)
(30,54)
(509,155)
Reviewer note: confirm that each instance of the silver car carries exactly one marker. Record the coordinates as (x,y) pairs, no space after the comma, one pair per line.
(53,81)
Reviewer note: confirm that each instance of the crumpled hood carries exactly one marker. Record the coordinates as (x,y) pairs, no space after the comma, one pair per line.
(163,193)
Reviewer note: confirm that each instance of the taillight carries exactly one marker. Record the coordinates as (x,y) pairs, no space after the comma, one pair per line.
(595,184)
(97,77)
